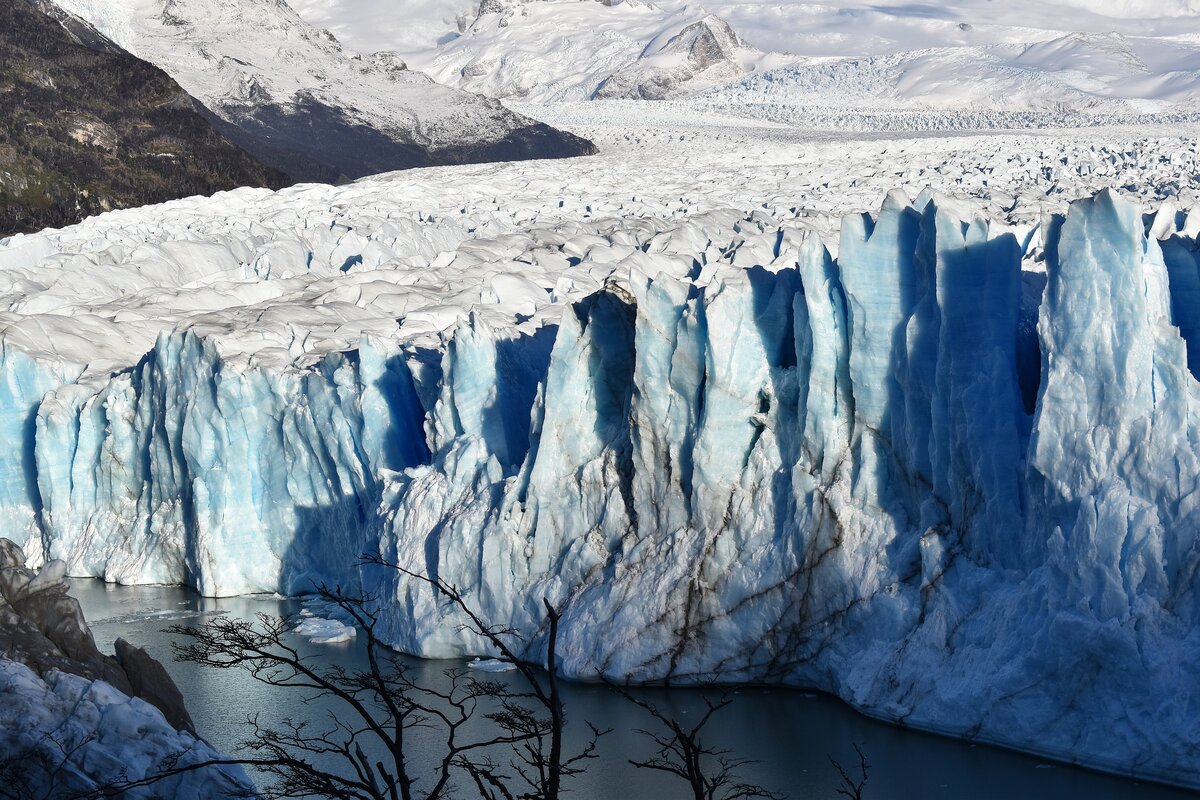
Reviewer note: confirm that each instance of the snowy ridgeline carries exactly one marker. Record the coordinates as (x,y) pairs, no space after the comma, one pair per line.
(952,492)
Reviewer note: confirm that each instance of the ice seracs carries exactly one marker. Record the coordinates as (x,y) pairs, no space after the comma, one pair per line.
(733,437)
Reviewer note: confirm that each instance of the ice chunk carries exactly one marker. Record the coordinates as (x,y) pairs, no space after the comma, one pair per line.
(324,631)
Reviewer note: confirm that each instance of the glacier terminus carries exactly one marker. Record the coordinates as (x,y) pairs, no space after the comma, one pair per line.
(935,461)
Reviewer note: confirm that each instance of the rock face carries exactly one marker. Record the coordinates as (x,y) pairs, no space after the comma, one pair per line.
(148,679)
(85,127)
(42,627)
(72,719)
(706,51)
(293,97)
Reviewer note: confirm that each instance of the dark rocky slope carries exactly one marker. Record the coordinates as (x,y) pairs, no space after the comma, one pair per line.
(86,127)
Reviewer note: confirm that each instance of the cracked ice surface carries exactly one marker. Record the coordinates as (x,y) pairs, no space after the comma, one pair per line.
(733,435)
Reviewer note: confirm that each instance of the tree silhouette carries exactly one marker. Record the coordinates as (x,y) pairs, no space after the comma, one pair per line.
(850,788)
(364,749)
(711,773)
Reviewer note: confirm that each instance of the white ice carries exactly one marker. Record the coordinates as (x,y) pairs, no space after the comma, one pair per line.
(87,735)
(732,433)
(324,631)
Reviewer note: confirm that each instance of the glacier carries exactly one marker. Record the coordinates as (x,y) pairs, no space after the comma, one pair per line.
(939,465)
(825,472)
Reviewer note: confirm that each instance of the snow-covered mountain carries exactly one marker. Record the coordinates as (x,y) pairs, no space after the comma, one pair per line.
(939,459)
(291,95)
(977,54)
(565,49)
(853,28)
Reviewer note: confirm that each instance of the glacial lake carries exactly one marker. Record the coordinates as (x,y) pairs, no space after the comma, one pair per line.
(790,733)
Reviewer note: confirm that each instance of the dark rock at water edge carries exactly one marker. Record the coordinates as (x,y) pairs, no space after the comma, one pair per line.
(42,627)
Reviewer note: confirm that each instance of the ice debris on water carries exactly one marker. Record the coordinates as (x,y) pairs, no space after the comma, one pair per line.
(491,665)
(324,631)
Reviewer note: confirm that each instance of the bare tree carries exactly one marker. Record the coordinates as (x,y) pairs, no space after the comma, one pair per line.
(850,788)
(363,749)
(710,772)
(539,764)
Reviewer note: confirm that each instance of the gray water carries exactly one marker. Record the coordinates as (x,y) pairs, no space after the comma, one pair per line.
(790,733)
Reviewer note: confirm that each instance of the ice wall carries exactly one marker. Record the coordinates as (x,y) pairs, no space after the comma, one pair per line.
(737,458)
(187,470)
(24,381)
(823,472)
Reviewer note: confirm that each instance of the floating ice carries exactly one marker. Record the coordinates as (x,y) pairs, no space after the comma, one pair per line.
(491,665)
(324,631)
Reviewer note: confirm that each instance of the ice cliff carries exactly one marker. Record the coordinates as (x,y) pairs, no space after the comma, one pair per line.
(856,475)
(948,475)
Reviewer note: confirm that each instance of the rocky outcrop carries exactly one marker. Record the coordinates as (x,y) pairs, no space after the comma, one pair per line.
(42,627)
(149,680)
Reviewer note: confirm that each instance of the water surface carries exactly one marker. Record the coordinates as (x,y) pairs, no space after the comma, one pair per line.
(790,733)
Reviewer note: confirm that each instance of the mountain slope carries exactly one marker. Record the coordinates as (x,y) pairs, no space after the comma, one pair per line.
(289,94)
(86,130)
(1021,55)
(563,49)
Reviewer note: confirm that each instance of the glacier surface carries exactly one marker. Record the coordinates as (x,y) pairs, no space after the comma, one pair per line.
(939,461)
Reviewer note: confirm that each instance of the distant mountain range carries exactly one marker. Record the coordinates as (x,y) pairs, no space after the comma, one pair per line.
(1118,57)
(85,127)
